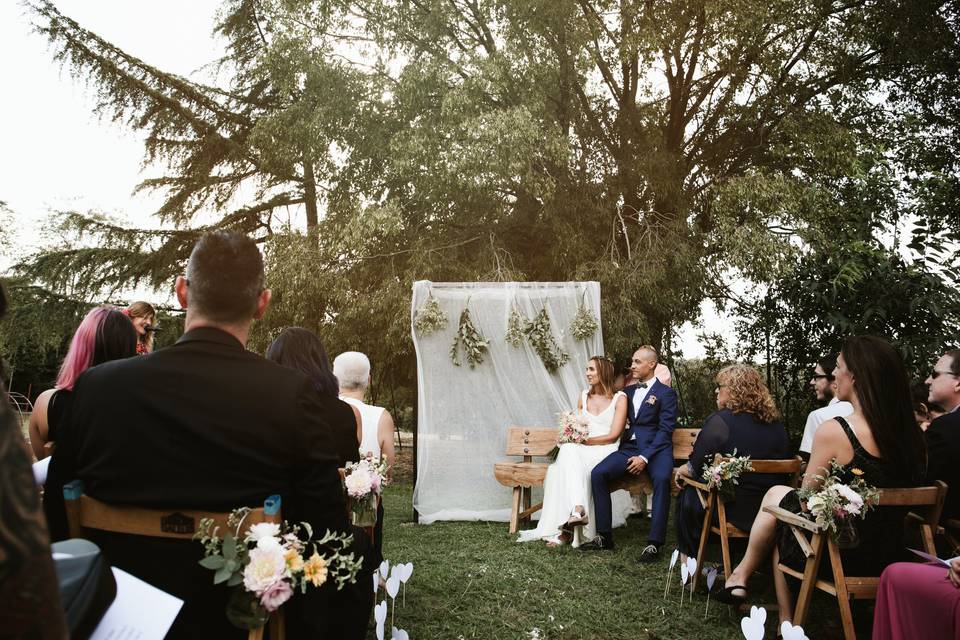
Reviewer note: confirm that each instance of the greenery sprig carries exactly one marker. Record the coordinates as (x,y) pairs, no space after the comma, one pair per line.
(473,343)
(430,317)
(541,339)
(584,323)
(515,329)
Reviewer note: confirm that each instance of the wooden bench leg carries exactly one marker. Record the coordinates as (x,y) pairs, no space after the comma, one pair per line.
(515,510)
(527,497)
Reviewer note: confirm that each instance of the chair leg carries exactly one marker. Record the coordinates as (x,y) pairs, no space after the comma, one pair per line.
(255,634)
(724,540)
(278,626)
(843,597)
(926,532)
(515,510)
(809,583)
(704,536)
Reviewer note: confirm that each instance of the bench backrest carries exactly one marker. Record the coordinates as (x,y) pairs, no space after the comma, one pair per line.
(538,441)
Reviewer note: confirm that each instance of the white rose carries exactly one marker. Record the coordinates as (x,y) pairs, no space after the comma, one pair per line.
(852,496)
(266,566)
(815,504)
(263,530)
(266,544)
(359,483)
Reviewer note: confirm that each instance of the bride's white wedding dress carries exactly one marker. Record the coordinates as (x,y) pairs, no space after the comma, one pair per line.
(568,483)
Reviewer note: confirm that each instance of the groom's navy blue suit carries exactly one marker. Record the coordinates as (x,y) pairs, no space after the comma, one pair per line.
(648,433)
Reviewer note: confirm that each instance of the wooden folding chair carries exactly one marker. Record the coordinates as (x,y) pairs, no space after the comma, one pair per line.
(370,531)
(713,501)
(85,512)
(813,540)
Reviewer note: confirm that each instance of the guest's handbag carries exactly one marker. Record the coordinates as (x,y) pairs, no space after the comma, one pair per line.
(87,585)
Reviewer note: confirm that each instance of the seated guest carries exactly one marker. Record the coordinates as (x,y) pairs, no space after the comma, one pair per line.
(879,442)
(943,434)
(206,424)
(352,370)
(823,387)
(29,597)
(144,319)
(301,350)
(104,334)
(921,412)
(747,422)
(918,600)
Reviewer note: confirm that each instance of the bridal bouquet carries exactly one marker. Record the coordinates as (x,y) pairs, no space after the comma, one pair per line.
(270,562)
(724,475)
(835,505)
(364,482)
(574,429)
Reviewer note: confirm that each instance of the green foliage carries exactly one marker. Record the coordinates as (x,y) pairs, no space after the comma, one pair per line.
(430,317)
(541,339)
(469,339)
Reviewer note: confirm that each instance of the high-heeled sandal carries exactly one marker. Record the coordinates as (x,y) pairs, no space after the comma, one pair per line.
(727,595)
(577,519)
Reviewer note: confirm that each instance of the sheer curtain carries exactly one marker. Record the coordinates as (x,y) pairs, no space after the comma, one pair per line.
(463,414)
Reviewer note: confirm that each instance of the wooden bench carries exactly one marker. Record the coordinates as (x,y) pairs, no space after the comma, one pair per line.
(530,442)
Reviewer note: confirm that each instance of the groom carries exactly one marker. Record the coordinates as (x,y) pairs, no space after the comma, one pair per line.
(646,444)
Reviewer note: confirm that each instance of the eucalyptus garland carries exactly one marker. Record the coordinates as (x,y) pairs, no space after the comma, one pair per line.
(542,340)
(584,323)
(430,317)
(515,326)
(473,343)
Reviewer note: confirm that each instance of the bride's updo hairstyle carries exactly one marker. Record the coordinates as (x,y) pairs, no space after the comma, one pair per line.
(747,392)
(606,374)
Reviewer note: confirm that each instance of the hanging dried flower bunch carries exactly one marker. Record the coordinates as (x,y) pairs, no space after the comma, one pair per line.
(430,317)
(472,341)
(542,340)
(584,323)
(515,326)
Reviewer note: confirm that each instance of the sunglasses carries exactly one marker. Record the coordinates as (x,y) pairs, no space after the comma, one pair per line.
(820,376)
(936,374)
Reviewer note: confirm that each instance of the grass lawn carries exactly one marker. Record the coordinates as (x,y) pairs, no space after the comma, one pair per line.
(472,581)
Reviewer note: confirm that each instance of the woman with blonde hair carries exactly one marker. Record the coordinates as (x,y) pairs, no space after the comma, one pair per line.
(567,515)
(746,422)
(144,319)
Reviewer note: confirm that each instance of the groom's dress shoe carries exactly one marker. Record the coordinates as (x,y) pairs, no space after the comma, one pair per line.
(600,543)
(650,553)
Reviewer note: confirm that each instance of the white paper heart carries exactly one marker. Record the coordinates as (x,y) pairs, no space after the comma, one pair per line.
(380,615)
(684,573)
(376,582)
(393,586)
(752,627)
(399,634)
(692,566)
(406,570)
(791,632)
(711,578)
(385,569)
(673,557)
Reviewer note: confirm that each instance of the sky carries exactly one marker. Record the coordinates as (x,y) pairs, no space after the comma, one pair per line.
(56,154)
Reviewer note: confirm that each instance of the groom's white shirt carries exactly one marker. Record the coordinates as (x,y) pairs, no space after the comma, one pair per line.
(639,395)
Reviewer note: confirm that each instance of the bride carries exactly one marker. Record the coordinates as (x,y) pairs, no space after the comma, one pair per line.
(567,515)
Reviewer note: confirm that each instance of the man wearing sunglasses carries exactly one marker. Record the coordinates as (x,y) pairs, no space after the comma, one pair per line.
(943,434)
(822,384)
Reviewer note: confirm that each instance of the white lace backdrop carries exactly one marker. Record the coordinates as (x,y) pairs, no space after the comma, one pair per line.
(463,414)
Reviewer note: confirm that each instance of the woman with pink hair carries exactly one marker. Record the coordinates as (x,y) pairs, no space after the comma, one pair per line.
(104,334)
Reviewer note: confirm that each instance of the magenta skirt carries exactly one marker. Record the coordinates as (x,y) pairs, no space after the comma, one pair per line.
(916,601)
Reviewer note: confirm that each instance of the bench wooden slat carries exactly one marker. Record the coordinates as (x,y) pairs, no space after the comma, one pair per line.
(530,441)
(520,474)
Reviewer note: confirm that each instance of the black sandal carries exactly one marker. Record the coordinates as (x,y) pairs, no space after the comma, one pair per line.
(727,595)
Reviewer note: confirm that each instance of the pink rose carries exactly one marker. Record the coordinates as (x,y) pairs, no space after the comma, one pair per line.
(375,482)
(275,595)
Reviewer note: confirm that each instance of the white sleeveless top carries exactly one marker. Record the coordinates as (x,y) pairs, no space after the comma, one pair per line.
(369,420)
(601,423)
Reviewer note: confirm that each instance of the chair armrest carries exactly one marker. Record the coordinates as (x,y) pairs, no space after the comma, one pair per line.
(790,518)
(694,483)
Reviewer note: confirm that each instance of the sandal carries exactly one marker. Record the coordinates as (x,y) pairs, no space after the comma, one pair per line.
(577,519)
(727,595)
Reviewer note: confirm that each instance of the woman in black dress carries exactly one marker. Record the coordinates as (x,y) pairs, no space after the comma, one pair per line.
(301,349)
(747,422)
(880,442)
